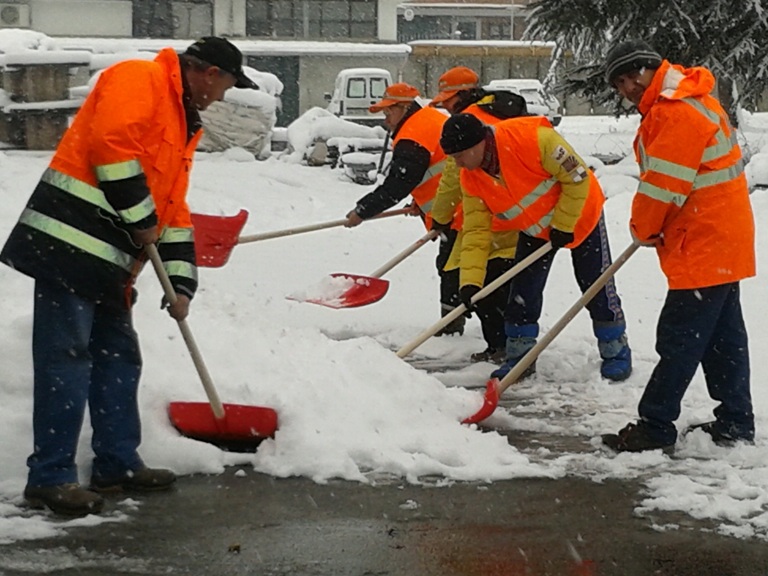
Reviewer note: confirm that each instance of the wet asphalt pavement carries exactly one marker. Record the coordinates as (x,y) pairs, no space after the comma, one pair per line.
(241,523)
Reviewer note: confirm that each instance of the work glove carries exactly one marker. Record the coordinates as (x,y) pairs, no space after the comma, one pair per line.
(559,239)
(442,229)
(466,293)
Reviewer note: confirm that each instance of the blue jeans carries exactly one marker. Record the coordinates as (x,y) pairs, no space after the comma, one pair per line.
(703,326)
(82,352)
(589,259)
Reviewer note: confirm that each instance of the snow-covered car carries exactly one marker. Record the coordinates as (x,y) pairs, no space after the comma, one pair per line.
(536,98)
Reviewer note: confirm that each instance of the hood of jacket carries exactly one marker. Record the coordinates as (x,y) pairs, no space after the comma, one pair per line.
(673,82)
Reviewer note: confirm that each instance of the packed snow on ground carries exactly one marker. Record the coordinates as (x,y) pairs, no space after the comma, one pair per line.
(348,407)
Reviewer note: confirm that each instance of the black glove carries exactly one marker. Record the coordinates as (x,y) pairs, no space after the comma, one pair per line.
(443,229)
(466,293)
(560,238)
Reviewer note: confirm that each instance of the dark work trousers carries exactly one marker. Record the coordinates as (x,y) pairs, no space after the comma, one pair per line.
(590,259)
(84,354)
(449,280)
(490,310)
(702,326)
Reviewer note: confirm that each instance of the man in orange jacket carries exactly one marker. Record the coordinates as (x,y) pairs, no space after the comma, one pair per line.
(693,206)
(117,182)
(417,164)
(481,253)
(531,180)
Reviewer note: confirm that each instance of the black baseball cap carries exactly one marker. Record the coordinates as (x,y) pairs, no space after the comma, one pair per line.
(221,53)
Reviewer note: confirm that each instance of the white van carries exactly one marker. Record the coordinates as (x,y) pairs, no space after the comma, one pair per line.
(537,100)
(355,90)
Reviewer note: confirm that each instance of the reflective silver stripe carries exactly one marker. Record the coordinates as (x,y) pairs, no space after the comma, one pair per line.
(177,235)
(723,144)
(661,194)
(528,200)
(181,268)
(138,212)
(427,206)
(119,171)
(718,176)
(433,171)
(77,188)
(77,238)
(536,229)
(672,169)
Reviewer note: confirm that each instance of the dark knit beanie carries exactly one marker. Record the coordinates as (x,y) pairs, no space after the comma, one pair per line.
(461,132)
(630,56)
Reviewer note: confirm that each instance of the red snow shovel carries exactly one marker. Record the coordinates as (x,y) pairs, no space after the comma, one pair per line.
(216,236)
(367,289)
(494,388)
(231,426)
(459,310)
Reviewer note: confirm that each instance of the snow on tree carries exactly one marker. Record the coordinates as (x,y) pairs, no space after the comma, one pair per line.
(726,36)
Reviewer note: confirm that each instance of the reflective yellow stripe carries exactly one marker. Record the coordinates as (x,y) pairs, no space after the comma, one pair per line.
(181,268)
(77,238)
(718,176)
(528,200)
(433,171)
(138,212)
(118,171)
(661,194)
(78,188)
(672,169)
(177,235)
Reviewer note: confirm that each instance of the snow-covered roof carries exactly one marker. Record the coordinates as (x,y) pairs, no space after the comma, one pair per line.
(247,47)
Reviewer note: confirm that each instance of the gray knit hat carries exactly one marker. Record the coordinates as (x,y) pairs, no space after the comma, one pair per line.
(630,56)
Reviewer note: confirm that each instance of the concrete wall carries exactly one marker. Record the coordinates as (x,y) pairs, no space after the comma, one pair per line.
(317,75)
(111,18)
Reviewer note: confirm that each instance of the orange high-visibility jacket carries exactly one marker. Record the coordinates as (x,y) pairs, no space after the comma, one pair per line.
(481,237)
(543,182)
(425,127)
(693,199)
(133,123)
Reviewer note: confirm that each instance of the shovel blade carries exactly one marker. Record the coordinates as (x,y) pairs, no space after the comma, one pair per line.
(216,236)
(490,402)
(241,427)
(365,290)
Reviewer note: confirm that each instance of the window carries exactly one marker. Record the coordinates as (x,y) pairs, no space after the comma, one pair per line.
(356,88)
(378,85)
(324,19)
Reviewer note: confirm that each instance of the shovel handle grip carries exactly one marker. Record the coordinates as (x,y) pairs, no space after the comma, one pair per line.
(460,309)
(312,227)
(186,332)
(533,353)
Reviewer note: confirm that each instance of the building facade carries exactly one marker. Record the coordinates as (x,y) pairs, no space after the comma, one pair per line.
(321,20)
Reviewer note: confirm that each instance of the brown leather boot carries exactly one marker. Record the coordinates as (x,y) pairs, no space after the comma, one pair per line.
(143,480)
(66,499)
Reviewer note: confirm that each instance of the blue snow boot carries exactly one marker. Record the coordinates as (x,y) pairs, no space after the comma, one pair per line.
(615,352)
(520,339)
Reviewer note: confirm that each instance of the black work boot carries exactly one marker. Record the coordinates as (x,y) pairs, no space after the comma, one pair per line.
(455,326)
(65,499)
(636,438)
(490,354)
(143,480)
(721,435)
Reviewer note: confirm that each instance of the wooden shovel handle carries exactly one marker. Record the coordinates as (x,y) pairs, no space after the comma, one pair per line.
(312,227)
(194,351)
(459,310)
(534,352)
(379,272)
